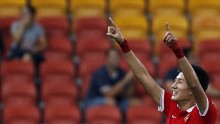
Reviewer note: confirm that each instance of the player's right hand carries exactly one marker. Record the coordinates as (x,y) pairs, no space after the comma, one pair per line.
(114,32)
(169,38)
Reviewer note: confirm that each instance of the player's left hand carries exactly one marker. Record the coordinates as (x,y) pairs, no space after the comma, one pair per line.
(169,39)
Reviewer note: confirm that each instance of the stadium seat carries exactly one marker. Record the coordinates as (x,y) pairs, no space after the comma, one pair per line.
(21,115)
(90,27)
(17,70)
(178,25)
(204,28)
(7,41)
(88,46)
(62,115)
(59,48)
(167,7)
(105,114)
(85,86)
(146,62)
(166,63)
(59,93)
(5,22)
(46,8)
(140,92)
(213,70)
(90,64)
(133,27)
(211,66)
(143,95)
(15,93)
(127,7)
(209,49)
(218,116)
(85,8)
(204,7)
(5,25)
(57,68)
(143,115)
(54,26)
(92,54)
(10,8)
(141,47)
(57,78)
(163,50)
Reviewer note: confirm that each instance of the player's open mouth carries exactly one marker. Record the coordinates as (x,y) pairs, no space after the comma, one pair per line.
(175,93)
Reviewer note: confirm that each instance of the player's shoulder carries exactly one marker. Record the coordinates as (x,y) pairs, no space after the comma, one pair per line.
(209,112)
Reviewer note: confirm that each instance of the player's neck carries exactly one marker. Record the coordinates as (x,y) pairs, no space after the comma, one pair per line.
(184,105)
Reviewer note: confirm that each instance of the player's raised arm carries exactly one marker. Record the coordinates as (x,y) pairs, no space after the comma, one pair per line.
(188,72)
(136,66)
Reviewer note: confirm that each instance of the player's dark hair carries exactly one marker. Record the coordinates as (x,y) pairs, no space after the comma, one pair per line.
(202,76)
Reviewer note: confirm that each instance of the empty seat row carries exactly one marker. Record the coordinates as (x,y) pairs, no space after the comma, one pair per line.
(31,115)
(72,115)
(98,7)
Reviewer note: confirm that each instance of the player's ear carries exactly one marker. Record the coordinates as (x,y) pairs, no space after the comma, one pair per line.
(190,92)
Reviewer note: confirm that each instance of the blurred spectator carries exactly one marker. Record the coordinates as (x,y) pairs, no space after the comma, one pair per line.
(172,73)
(110,84)
(1,46)
(28,37)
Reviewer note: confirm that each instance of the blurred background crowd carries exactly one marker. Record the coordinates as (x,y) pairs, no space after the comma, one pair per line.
(58,65)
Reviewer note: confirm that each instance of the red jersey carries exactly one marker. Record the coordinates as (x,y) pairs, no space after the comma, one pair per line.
(190,116)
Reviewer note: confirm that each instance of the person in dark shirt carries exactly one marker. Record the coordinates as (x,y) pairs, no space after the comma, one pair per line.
(109,83)
(1,45)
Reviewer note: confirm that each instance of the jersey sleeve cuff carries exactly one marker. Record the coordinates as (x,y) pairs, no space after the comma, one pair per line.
(206,109)
(161,106)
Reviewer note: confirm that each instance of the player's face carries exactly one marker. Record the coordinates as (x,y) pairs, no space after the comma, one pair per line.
(113,59)
(181,92)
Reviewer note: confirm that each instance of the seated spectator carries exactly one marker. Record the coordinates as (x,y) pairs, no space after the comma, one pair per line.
(110,84)
(28,37)
(172,73)
(1,46)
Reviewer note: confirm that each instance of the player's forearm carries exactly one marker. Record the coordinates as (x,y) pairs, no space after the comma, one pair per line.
(143,76)
(136,66)
(193,83)
(188,72)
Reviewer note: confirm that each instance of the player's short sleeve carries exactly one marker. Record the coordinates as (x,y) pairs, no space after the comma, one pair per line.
(210,113)
(166,104)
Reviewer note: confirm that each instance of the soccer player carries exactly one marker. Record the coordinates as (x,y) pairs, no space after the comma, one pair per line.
(188,103)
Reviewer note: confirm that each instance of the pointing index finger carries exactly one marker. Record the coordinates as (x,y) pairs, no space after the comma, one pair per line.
(112,22)
(167,27)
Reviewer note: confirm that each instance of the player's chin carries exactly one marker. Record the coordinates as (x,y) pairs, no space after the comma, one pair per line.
(175,97)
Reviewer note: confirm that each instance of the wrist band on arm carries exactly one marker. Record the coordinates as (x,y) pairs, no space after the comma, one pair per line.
(125,47)
(177,50)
